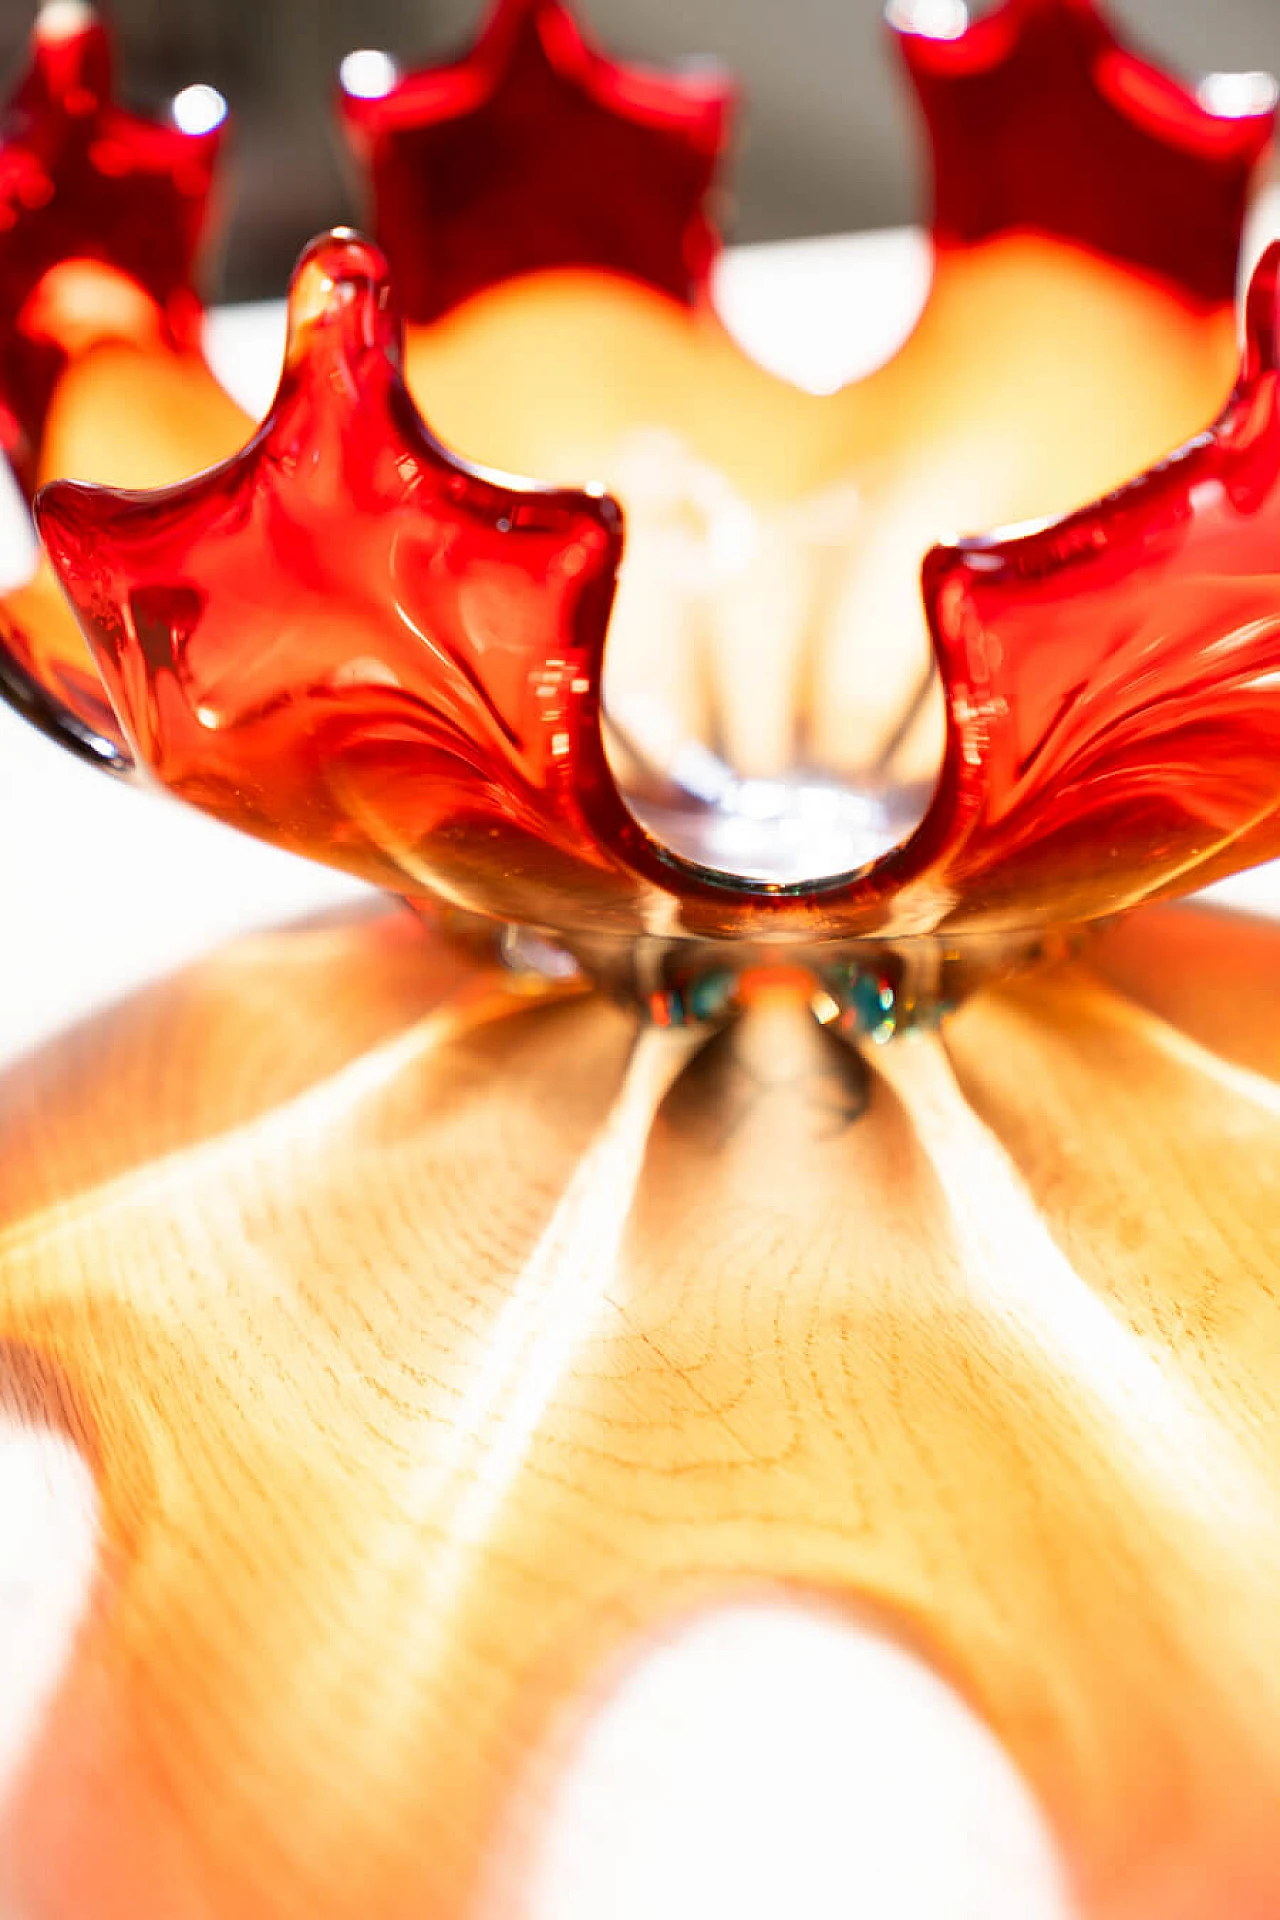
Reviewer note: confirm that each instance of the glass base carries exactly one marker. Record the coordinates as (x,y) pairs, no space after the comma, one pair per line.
(866,990)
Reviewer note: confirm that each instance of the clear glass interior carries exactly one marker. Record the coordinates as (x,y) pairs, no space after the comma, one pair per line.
(772,704)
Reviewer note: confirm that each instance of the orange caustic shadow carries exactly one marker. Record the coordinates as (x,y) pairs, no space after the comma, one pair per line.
(441,1353)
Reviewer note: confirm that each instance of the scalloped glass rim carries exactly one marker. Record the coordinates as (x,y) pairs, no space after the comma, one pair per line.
(1015,838)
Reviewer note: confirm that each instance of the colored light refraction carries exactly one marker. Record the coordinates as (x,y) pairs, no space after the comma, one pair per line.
(101,217)
(536,151)
(1040,119)
(353,643)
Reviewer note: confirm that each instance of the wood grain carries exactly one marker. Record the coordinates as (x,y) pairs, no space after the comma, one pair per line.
(432,1347)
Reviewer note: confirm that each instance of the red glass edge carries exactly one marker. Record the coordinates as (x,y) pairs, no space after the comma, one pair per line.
(536,151)
(448,623)
(1037,113)
(1113,678)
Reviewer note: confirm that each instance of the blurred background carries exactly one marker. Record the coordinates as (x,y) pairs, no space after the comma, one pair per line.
(826,143)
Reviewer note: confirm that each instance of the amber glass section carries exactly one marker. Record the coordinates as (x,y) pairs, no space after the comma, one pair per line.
(770,609)
(146,417)
(101,215)
(537,151)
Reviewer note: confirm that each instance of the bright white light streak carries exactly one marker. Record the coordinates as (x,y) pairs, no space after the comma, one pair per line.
(316,1113)
(18,546)
(1238,1083)
(1168,1435)
(772,1758)
(554,1301)
(48,1549)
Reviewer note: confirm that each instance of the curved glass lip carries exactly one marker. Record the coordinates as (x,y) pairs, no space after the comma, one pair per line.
(702,805)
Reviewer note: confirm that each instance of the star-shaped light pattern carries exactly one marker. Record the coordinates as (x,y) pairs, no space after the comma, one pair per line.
(83,185)
(536,151)
(1041,119)
(353,644)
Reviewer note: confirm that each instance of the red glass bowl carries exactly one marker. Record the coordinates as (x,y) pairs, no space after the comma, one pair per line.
(361,646)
